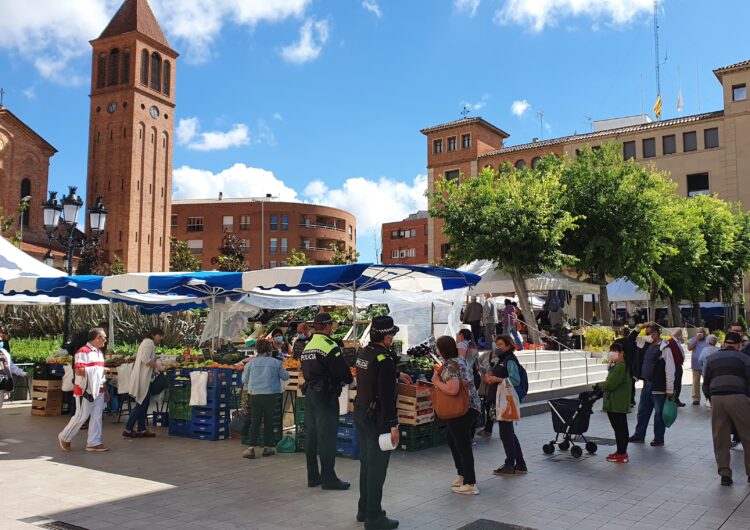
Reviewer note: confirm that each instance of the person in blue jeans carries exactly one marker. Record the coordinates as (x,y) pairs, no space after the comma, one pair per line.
(510,320)
(658,374)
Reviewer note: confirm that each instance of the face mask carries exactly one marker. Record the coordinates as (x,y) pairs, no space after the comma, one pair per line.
(301,336)
(613,356)
(278,339)
(649,339)
(463,345)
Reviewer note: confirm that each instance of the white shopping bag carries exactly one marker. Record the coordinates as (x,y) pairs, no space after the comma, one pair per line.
(198,394)
(507,405)
(67,380)
(344,401)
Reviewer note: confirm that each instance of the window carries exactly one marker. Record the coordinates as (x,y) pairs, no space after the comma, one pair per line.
(394,234)
(274,222)
(520,164)
(284,223)
(413,232)
(284,246)
(114,67)
(283,264)
(452,175)
(195,224)
(195,246)
(535,162)
(125,76)
(668,144)
(306,244)
(411,253)
(167,77)
(156,71)
(273,264)
(689,141)
(451,143)
(144,67)
(628,150)
(174,221)
(274,245)
(101,70)
(739,92)
(697,184)
(649,147)
(465,141)
(394,253)
(445,248)
(402,253)
(245,245)
(711,138)
(228,223)
(26,192)
(437,147)
(307,221)
(350,233)
(244,222)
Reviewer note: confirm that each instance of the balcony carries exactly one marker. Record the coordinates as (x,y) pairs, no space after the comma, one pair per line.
(323,226)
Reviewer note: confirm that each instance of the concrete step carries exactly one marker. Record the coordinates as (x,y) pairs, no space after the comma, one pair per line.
(566,363)
(536,402)
(567,371)
(570,380)
(528,356)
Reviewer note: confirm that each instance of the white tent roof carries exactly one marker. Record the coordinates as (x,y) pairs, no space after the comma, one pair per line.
(499,282)
(623,290)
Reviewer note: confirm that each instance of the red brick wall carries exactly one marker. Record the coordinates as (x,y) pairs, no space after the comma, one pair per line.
(419,243)
(213,212)
(130,158)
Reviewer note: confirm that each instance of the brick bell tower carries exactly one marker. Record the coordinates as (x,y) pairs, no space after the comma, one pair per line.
(131,131)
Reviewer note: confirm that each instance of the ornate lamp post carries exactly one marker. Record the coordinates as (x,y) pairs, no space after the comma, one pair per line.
(60,223)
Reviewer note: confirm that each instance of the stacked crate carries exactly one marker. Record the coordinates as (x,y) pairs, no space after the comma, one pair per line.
(210,422)
(277,427)
(415,417)
(46,398)
(347,440)
(439,432)
(299,423)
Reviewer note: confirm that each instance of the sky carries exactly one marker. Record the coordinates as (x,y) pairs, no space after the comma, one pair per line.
(322,100)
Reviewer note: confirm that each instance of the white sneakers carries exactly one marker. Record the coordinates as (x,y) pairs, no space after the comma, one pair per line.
(458,481)
(466,489)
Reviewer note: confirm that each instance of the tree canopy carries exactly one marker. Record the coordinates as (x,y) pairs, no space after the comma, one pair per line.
(181,258)
(232,254)
(297,258)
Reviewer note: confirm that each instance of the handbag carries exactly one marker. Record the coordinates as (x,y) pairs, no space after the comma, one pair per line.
(449,407)
(158,384)
(6,381)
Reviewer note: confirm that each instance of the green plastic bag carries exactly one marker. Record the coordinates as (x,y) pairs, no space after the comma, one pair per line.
(286,445)
(669,412)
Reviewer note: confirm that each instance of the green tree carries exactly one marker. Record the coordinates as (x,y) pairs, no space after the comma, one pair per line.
(623,219)
(115,268)
(516,219)
(91,260)
(181,258)
(297,258)
(343,256)
(232,254)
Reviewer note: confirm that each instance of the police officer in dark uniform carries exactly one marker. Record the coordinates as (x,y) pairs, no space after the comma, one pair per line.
(375,414)
(325,373)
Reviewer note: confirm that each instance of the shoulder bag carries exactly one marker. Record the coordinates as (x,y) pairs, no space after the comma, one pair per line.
(449,407)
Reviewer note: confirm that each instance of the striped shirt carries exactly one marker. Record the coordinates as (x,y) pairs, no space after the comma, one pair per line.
(90,358)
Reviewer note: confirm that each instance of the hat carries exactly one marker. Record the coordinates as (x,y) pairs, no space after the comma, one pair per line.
(733,338)
(384,325)
(323,318)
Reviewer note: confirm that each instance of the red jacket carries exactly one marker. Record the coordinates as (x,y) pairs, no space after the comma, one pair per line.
(677,353)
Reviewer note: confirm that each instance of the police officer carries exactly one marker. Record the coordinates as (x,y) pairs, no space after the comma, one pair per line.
(325,373)
(375,414)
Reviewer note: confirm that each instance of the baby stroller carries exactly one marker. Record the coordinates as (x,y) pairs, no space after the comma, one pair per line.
(570,418)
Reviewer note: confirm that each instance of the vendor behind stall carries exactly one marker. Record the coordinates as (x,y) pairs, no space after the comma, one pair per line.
(281,348)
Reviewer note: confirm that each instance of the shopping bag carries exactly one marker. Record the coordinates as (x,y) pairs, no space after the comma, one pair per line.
(286,445)
(506,408)
(344,401)
(669,412)
(198,390)
(240,423)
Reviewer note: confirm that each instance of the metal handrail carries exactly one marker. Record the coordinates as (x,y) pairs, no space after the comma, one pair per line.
(325,227)
(559,352)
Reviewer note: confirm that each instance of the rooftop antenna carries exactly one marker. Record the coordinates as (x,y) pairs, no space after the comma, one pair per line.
(540,115)
(656,55)
(2,95)
(465,112)
(591,122)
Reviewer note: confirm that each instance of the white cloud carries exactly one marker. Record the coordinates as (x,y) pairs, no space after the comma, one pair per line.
(55,35)
(466,6)
(312,36)
(358,195)
(278,116)
(478,105)
(236,181)
(29,93)
(520,107)
(538,14)
(188,133)
(373,7)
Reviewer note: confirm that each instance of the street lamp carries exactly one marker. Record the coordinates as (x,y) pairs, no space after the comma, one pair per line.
(64,233)
(49,259)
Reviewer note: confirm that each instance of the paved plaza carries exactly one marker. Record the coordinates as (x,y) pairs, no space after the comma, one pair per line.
(181,483)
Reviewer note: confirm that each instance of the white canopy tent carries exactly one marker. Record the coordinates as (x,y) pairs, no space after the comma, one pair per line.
(499,282)
(623,290)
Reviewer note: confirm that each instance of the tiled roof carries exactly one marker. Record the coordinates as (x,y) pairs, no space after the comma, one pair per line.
(465,121)
(603,134)
(736,66)
(135,15)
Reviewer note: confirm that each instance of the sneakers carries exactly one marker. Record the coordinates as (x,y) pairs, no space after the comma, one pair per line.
(636,440)
(466,489)
(521,468)
(657,444)
(249,453)
(458,481)
(65,446)
(267,451)
(726,481)
(101,448)
(504,470)
(618,458)
(612,457)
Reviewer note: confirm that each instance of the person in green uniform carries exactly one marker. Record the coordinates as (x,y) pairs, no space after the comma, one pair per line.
(325,373)
(375,414)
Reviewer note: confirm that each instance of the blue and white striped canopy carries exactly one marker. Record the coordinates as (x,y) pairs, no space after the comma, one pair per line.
(355,277)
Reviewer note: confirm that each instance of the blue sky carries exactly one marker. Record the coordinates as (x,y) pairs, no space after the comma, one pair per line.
(323,100)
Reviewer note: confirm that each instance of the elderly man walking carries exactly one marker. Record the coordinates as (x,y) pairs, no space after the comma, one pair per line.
(489,315)
(726,383)
(696,345)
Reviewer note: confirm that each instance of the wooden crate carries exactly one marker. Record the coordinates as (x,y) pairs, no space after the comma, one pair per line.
(408,403)
(46,403)
(413,391)
(352,397)
(39,385)
(296,380)
(415,417)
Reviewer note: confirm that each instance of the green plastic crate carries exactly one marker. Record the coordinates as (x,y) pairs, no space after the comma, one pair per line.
(178,411)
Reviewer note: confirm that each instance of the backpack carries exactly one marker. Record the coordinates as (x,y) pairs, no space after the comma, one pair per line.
(523,388)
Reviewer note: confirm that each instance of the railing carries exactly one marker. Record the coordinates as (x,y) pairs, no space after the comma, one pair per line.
(319,249)
(559,351)
(324,227)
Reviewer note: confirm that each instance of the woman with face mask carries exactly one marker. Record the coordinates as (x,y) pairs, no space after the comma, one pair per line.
(616,390)
(281,348)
